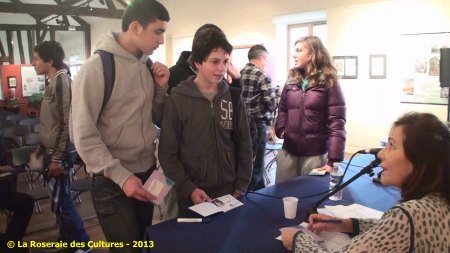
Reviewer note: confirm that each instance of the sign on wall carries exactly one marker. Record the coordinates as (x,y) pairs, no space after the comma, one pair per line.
(31,82)
(420,68)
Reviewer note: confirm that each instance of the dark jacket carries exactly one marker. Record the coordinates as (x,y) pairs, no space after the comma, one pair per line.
(196,149)
(312,121)
(180,71)
(54,116)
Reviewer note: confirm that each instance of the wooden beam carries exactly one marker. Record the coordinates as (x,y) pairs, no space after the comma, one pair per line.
(70,2)
(10,46)
(38,27)
(48,10)
(65,20)
(110,5)
(41,35)
(30,39)
(123,3)
(2,49)
(82,22)
(3,59)
(87,43)
(52,35)
(21,52)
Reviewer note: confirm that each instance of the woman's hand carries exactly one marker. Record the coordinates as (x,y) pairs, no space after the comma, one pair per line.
(317,224)
(287,236)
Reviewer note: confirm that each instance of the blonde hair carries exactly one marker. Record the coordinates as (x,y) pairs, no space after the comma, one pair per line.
(319,65)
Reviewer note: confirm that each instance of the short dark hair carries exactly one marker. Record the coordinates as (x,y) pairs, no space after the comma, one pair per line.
(144,12)
(427,145)
(51,50)
(256,51)
(207,38)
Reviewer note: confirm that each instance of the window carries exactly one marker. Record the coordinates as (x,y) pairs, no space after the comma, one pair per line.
(296,31)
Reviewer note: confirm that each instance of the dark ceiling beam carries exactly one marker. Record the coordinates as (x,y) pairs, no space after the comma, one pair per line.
(81,21)
(70,2)
(8,27)
(112,7)
(65,20)
(123,3)
(48,10)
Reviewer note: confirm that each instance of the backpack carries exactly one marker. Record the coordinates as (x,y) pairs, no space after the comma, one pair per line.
(109,73)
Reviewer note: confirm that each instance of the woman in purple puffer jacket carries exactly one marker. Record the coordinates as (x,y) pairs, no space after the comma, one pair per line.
(311,114)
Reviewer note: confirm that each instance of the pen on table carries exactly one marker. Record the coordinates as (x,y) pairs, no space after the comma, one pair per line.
(328,221)
(194,220)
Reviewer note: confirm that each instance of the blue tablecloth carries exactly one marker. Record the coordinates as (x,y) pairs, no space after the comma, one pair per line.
(254,226)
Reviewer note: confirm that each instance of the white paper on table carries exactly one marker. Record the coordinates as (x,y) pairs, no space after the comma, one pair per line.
(354,211)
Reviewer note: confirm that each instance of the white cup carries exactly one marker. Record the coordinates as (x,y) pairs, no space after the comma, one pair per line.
(290,207)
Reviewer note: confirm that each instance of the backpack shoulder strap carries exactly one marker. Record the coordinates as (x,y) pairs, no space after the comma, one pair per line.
(109,74)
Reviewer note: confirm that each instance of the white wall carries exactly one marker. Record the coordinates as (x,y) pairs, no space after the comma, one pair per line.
(355,27)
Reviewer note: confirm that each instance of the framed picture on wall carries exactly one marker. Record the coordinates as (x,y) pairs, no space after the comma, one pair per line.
(12,82)
(377,66)
(346,66)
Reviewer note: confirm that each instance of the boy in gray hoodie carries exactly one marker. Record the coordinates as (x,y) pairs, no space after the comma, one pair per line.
(117,142)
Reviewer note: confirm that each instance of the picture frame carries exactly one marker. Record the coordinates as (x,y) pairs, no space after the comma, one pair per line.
(12,82)
(346,66)
(377,66)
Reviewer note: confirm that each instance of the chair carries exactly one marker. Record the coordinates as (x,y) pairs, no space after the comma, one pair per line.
(271,148)
(16,130)
(18,159)
(29,122)
(32,139)
(80,185)
(15,117)
(4,123)
(37,128)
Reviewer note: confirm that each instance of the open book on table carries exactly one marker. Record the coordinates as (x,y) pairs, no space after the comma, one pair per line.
(158,185)
(221,204)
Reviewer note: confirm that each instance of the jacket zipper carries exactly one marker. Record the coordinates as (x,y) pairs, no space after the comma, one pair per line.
(219,171)
(302,112)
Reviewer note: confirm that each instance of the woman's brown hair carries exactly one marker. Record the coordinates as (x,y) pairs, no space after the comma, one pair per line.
(427,145)
(319,66)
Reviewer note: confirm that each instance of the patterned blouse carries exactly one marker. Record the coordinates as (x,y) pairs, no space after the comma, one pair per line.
(392,233)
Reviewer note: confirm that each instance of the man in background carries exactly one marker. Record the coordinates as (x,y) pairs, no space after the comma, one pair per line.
(54,118)
(180,71)
(259,97)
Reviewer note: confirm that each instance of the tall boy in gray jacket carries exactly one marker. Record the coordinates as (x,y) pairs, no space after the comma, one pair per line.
(117,142)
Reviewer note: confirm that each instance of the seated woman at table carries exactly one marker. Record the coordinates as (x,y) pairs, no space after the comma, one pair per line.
(416,159)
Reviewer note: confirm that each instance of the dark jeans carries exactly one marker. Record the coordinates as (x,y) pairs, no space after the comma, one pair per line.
(70,224)
(21,206)
(123,219)
(257,181)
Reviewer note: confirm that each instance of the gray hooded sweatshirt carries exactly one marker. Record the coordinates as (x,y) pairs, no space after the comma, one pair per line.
(119,140)
(200,146)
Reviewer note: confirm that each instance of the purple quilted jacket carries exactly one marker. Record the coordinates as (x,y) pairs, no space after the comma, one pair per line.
(313,121)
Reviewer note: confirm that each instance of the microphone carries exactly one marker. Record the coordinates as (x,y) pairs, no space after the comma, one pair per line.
(373,151)
(366,170)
